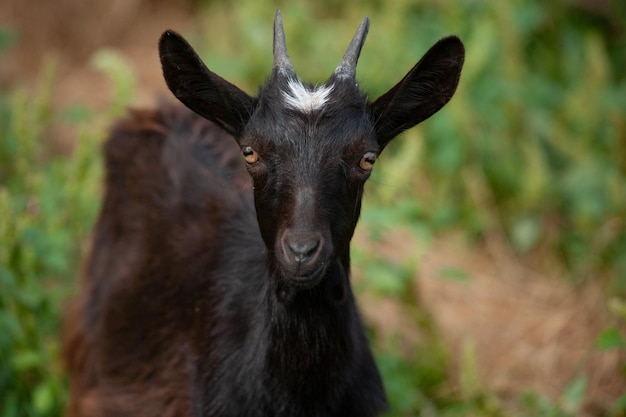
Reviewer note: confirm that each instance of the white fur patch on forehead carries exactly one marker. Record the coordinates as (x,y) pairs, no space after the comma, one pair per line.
(300,98)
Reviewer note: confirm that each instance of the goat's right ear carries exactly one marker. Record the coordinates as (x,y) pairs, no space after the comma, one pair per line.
(201,90)
(429,85)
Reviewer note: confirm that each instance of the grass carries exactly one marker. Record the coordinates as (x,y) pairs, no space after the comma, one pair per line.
(532,148)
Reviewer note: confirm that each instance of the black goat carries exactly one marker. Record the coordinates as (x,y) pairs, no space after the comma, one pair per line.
(207,294)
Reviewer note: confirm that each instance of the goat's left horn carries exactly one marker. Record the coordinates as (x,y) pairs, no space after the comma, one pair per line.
(347,67)
(282,63)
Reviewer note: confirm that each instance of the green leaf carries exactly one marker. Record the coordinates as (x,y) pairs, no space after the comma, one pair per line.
(10,404)
(78,113)
(619,406)
(574,394)
(609,339)
(26,360)
(43,398)
(453,274)
(7,38)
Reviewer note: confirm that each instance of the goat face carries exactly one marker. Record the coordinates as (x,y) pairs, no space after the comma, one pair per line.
(309,158)
(309,149)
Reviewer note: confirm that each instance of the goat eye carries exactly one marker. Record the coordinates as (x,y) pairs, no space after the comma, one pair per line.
(367,161)
(249,154)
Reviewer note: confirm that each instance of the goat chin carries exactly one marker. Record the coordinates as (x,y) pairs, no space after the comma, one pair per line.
(307,280)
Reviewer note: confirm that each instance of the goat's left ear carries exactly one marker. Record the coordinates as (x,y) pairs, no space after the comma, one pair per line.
(201,90)
(422,92)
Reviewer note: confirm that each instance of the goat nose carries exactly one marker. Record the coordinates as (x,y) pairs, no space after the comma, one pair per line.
(302,249)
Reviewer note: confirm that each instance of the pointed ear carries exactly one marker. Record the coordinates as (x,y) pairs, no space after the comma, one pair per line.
(421,93)
(201,90)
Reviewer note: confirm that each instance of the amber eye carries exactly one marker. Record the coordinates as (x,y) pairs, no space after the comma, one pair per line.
(367,161)
(249,154)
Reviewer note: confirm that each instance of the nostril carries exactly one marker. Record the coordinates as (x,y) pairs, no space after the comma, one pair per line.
(302,249)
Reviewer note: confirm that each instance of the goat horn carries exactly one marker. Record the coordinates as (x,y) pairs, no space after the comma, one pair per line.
(282,63)
(347,67)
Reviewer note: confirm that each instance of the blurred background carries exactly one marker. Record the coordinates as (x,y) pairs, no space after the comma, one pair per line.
(490,262)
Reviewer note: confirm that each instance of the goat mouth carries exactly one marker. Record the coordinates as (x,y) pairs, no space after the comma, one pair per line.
(306,280)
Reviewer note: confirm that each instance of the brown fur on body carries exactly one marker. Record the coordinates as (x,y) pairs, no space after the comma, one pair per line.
(165,168)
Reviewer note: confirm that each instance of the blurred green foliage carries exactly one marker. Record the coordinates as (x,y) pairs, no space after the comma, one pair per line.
(48,205)
(532,147)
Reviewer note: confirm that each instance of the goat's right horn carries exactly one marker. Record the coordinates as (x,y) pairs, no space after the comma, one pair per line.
(282,63)
(347,67)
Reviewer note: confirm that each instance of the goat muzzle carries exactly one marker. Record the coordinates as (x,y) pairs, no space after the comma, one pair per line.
(303,256)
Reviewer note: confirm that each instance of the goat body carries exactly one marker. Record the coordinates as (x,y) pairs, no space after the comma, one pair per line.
(218,285)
